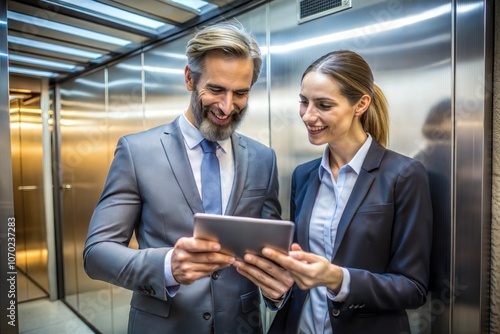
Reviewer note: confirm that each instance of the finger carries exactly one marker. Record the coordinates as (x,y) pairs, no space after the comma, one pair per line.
(279,258)
(185,275)
(212,258)
(295,247)
(197,245)
(270,286)
(305,256)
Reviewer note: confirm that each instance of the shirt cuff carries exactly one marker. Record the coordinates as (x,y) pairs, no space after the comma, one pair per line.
(345,288)
(171,285)
(275,304)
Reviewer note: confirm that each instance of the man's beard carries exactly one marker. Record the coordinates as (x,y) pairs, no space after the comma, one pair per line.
(210,130)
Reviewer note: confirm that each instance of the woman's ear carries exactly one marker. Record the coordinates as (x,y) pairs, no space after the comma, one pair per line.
(188,79)
(362,105)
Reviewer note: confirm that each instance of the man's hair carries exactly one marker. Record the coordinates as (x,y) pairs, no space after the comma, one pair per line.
(229,37)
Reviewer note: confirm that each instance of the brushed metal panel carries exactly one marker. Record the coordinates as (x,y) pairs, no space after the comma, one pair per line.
(35,235)
(15,139)
(84,164)
(165,93)
(256,124)
(473,166)
(125,102)
(7,203)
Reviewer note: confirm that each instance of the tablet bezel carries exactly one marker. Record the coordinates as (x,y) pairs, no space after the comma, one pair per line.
(238,235)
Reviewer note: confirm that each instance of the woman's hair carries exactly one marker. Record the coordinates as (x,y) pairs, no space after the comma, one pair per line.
(229,37)
(355,78)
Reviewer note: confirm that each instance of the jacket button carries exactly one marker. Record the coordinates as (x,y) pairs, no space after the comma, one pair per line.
(215,275)
(335,312)
(207,315)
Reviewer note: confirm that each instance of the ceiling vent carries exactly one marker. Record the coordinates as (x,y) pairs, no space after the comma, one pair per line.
(308,10)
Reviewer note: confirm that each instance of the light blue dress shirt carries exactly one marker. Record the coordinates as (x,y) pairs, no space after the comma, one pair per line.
(329,205)
(192,140)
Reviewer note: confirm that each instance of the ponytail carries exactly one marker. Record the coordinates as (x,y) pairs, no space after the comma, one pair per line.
(375,120)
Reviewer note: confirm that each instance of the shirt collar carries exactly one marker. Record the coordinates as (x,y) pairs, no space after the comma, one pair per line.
(193,137)
(355,163)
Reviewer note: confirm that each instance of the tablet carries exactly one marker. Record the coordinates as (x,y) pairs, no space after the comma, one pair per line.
(239,235)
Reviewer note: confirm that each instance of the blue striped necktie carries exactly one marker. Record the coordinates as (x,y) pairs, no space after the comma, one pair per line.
(210,178)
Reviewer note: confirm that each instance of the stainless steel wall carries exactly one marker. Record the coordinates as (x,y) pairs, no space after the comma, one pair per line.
(29,208)
(414,48)
(8,306)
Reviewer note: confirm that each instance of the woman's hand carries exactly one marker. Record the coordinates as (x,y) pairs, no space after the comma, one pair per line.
(310,270)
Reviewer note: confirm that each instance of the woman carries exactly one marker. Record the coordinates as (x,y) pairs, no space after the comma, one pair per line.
(363,214)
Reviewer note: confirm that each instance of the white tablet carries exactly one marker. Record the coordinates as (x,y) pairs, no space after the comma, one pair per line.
(239,235)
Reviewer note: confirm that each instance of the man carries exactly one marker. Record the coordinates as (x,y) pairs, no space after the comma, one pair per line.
(154,186)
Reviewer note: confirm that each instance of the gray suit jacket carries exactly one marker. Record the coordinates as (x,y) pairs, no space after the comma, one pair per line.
(384,239)
(150,190)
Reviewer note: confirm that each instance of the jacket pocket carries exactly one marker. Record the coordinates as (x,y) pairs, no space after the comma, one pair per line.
(254,192)
(250,301)
(151,305)
(374,208)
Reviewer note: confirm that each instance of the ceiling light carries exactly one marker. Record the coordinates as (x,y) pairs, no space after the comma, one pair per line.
(117,13)
(53,47)
(37,73)
(197,5)
(67,29)
(43,62)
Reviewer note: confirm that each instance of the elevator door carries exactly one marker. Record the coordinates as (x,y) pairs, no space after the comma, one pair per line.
(31,255)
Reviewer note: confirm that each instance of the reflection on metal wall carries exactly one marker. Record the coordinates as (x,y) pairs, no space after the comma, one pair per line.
(26,137)
(473,119)
(84,158)
(8,312)
(409,45)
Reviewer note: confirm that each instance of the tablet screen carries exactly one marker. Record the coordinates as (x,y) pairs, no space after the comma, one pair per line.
(238,235)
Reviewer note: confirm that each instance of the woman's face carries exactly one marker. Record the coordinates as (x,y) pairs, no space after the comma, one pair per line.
(327,115)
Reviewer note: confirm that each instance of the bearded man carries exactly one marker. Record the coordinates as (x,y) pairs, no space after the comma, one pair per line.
(156,184)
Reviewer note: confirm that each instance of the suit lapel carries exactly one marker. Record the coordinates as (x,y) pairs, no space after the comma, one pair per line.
(173,145)
(240,157)
(360,190)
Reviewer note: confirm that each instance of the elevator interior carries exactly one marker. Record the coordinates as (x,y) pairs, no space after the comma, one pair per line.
(426,55)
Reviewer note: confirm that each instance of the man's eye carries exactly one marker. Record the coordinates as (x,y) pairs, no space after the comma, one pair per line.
(303,102)
(215,90)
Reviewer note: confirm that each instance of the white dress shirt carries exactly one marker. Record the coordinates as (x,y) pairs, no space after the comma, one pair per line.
(192,140)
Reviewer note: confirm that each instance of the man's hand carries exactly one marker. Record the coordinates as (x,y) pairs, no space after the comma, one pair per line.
(273,280)
(194,258)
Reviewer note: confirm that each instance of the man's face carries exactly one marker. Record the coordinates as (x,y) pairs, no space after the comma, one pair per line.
(219,98)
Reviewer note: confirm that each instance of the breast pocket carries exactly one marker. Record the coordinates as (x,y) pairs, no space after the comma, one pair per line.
(376,208)
(254,193)
(251,202)
(375,222)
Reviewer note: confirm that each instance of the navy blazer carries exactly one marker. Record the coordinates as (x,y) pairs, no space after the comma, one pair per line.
(384,240)
(150,190)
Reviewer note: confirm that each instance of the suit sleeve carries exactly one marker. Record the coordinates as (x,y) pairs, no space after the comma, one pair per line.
(404,284)
(107,256)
